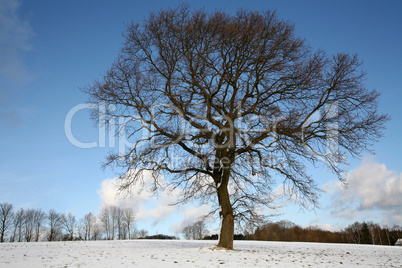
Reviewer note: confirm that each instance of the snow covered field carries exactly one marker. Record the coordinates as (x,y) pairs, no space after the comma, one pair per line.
(181,253)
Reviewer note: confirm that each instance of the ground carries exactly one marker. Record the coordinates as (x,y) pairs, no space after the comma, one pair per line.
(182,253)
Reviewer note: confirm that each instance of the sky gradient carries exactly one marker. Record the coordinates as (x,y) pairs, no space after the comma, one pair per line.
(49,49)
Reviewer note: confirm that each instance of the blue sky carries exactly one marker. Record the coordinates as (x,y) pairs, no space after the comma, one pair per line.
(48,49)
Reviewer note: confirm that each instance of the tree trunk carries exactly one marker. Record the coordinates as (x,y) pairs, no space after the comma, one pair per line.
(387,233)
(379,235)
(226,214)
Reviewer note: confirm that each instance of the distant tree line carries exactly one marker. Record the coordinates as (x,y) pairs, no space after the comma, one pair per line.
(159,236)
(115,223)
(371,233)
(288,231)
(356,233)
(32,225)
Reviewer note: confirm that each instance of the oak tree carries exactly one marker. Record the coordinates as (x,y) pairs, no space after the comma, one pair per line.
(226,105)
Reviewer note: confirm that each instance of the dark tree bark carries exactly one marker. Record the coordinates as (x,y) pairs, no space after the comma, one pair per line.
(227,217)
(231,105)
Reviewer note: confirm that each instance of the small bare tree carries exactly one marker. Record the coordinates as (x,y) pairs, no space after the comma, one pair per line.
(18,226)
(97,231)
(39,218)
(110,219)
(118,222)
(33,223)
(54,221)
(88,223)
(195,231)
(142,233)
(69,222)
(105,220)
(6,219)
(232,105)
(129,221)
(188,232)
(29,225)
(200,230)
(354,233)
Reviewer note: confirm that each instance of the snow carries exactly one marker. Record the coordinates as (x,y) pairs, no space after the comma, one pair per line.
(185,253)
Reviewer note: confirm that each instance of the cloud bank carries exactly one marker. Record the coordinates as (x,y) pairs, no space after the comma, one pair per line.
(372,190)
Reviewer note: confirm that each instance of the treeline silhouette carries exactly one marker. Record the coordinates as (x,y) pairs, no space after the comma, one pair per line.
(356,233)
(159,236)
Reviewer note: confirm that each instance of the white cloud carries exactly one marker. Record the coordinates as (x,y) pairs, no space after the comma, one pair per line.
(148,206)
(15,34)
(371,190)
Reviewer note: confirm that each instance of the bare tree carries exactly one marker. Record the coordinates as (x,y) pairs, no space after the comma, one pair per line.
(118,221)
(195,231)
(18,226)
(200,230)
(375,232)
(33,221)
(54,221)
(96,231)
(39,218)
(29,225)
(107,221)
(233,105)
(128,219)
(6,219)
(88,223)
(104,218)
(142,233)
(69,222)
(354,233)
(188,232)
